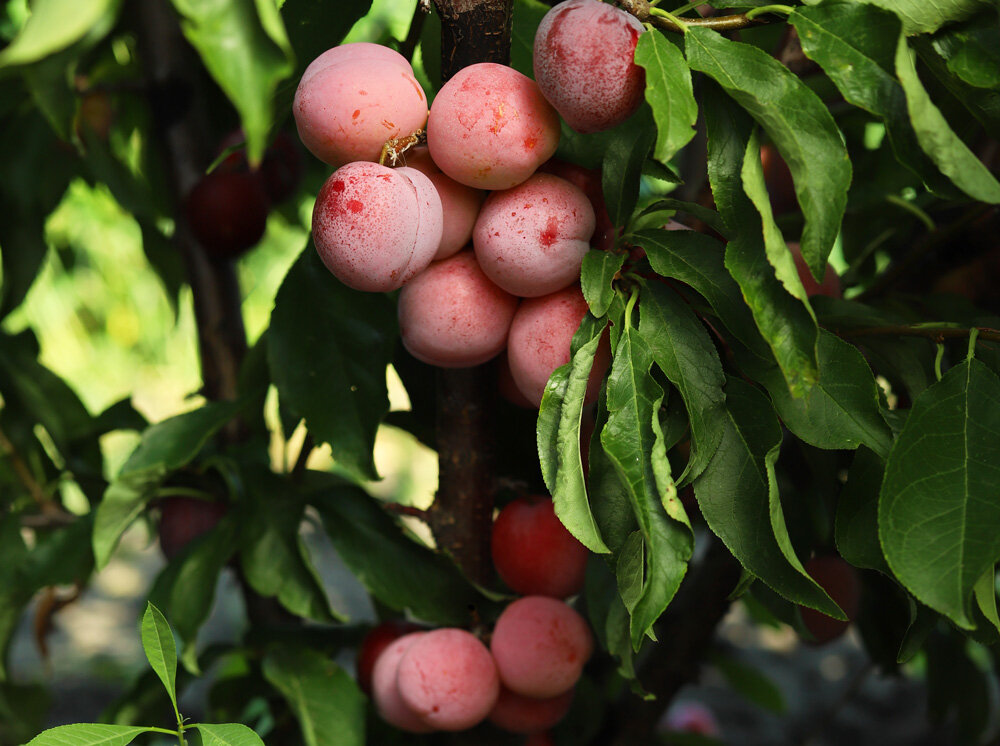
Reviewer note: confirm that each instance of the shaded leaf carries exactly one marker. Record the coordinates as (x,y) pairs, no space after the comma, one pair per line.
(750,682)
(55,25)
(857,513)
(628,146)
(596,275)
(972,51)
(923,16)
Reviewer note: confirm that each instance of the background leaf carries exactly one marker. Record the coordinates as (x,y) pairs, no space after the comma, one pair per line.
(161,652)
(227,734)
(857,513)
(596,275)
(55,25)
(88,734)
(921,16)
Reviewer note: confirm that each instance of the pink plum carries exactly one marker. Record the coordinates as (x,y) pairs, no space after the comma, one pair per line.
(449,679)
(540,646)
(516,713)
(460,204)
(531,239)
(583,61)
(385,690)
(451,314)
(490,127)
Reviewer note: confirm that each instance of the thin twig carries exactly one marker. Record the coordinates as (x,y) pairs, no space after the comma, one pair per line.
(641,10)
(409,510)
(24,474)
(931,332)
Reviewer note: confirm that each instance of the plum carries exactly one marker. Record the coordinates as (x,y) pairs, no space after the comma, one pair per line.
(385,688)
(227,212)
(184,519)
(840,580)
(459,203)
(516,713)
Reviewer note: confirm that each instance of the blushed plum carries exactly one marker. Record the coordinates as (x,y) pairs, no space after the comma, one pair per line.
(227,212)
(533,552)
(449,679)
(840,580)
(374,644)
(490,127)
(352,99)
(452,316)
(184,519)
(583,61)
(516,713)
(539,342)
(540,646)
(385,689)
(374,227)
(830,286)
(531,239)
(588,180)
(459,203)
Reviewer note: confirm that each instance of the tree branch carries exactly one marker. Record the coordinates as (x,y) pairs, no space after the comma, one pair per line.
(24,475)
(927,331)
(642,10)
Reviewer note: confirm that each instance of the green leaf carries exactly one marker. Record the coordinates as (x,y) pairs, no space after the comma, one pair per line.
(558,434)
(707,215)
(55,25)
(328,348)
(596,276)
(327,703)
(634,444)
(785,322)
(161,652)
(842,410)
(853,43)
(982,103)
(738,496)
(668,93)
(857,513)
(609,498)
(22,251)
(621,169)
(88,734)
(398,571)
(244,46)
(922,17)
(957,689)
(227,734)
(986,597)
(124,500)
(972,51)
(938,516)
(697,260)
(750,682)
(527,14)
(937,138)
(797,121)
(684,352)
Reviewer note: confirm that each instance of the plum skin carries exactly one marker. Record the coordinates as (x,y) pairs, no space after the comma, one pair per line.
(184,519)
(840,580)
(516,713)
(385,686)
(227,212)
(375,642)
(533,552)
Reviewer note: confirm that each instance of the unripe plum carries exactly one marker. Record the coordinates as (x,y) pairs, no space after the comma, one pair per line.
(352,99)
(449,679)
(452,316)
(490,127)
(375,642)
(385,688)
(184,519)
(840,580)
(227,212)
(460,204)
(830,286)
(516,713)
(588,180)
(539,342)
(583,62)
(375,227)
(540,646)
(531,239)
(533,552)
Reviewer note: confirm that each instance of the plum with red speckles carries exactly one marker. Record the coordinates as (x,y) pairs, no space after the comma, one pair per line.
(449,679)
(227,212)
(588,180)
(533,552)
(830,286)
(451,314)
(184,519)
(583,61)
(490,127)
(516,713)
(352,99)
(459,203)
(840,581)
(531,239)
(539,342)
(376,227)
(540,646)
(385,688)
(375,642)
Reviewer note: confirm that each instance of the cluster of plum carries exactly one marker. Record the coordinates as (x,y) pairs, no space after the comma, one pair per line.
(448,679)
(482,231)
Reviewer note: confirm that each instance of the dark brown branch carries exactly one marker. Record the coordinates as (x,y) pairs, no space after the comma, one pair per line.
(409,44)
(407,510)
(933,333)
(473,31)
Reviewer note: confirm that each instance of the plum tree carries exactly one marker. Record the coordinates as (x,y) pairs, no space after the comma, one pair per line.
(184,519)
(539,342)
(528,715)
(451,314)
(375,642)
(533,552)
(353,98)
(460,203)
(540,645)
(385,686)
(376,227)
(840,580)
(227,212)
(583,59)
(531,239)
(449,679)
(490,127)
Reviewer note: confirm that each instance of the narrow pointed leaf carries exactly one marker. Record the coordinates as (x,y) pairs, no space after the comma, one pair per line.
(227,734)
(621,168)
(668,93)
(939,520)
(797,121)
(596,275)
(161,651)
(88,734)
(738,497)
